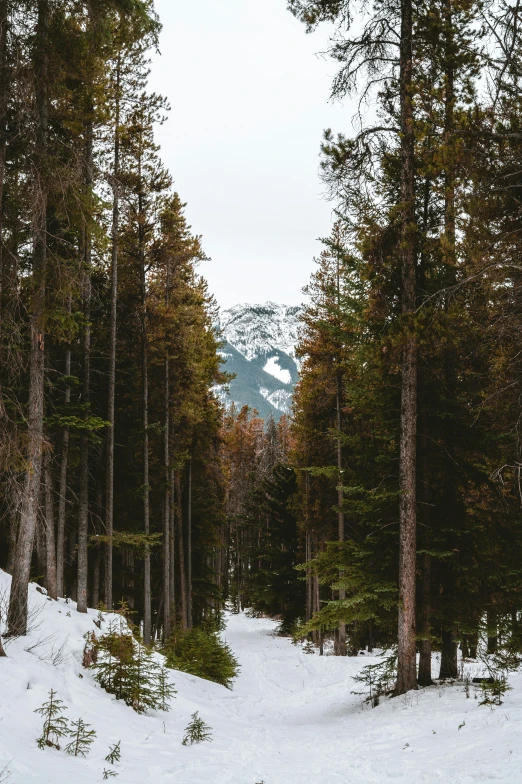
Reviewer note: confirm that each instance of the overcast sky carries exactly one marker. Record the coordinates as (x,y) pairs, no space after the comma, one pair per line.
(249,98)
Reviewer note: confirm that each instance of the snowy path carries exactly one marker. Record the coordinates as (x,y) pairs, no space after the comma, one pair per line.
(290,719)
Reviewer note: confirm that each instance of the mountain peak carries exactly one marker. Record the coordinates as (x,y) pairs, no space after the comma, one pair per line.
(260,350)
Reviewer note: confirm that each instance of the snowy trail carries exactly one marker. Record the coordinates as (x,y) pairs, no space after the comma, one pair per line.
(290,719)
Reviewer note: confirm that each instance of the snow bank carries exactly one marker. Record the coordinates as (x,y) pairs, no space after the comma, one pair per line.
(290,718)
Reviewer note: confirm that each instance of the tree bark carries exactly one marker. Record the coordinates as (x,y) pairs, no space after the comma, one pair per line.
(4,21)
(62,500)
(172,550)
(147,610)
(83,516)
(18,604)
(109,499)
(83,512)
(50,538)
(96,572)
(424,678)
(406,664)
(425,646)
(189,546)
(448,658)
(341,640)
(181,553)
(492,630)
(167,606)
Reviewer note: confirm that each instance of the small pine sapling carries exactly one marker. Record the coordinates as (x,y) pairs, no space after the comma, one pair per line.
(493,692)
(109,774)
(197,731)
(165,690)
(378,678)
(82,739)
(55,724)
(142,680)
(114,754)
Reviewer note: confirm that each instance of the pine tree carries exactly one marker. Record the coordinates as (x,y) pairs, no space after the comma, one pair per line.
(165,690)
(197,731)
(114,754)
(82,739)
(55,724)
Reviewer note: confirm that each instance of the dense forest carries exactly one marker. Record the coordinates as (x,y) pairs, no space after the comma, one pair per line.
(386,511)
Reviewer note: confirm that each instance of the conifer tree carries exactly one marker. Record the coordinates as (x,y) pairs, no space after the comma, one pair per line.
(55,725)
(82,739)
(196,731)
(114,754)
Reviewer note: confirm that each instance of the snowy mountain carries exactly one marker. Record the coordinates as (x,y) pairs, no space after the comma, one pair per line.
(260,351)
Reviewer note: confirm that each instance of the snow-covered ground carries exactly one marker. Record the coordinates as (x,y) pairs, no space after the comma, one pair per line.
(290,719)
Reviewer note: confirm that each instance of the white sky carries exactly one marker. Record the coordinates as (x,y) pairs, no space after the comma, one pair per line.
(249,100)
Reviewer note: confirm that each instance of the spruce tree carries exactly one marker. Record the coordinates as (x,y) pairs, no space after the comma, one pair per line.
(55,724)
(82,739)
(114,754)
(197,731)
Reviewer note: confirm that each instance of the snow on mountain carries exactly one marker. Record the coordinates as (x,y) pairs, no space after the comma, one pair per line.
(260,351)
(290,717)
(277,372)
(258,330)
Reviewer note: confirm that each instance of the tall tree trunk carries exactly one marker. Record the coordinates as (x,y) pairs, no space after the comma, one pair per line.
(109,499)
(341,639)
(166,514)
(62,499)
(83,512)
(96,572)
(172,550)
(189,546)
(406,664)
(167,606)
(448,661)
(17,616)
(448,657)
(181,553)
(147,610)
(424,677)
(492,630)
(50,538)
(4,21)
(309,579)
(317,598)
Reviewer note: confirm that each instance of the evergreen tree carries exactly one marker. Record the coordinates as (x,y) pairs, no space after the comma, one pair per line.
(55,725)
(114,754)
(82,739)
(197,731)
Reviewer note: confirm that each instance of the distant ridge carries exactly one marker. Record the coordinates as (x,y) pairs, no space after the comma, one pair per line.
(260,351)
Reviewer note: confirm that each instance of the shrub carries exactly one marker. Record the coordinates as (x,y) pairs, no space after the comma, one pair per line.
(125,668)
(203,653)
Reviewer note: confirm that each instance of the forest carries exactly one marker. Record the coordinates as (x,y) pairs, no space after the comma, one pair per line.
(385,512)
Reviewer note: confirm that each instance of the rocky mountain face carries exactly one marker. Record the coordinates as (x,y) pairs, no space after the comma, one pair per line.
(260,351)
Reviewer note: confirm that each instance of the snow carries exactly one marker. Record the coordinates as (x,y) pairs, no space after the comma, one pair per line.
(290,719)
(280,398)
(258,330)
(273,368)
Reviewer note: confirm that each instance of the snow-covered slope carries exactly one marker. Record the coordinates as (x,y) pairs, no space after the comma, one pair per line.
(291,718)
(260,351)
